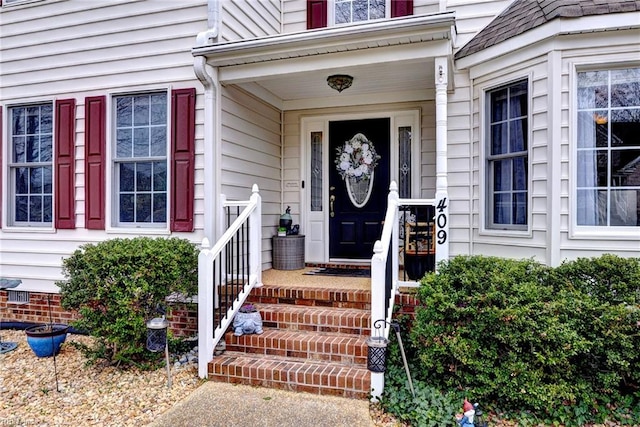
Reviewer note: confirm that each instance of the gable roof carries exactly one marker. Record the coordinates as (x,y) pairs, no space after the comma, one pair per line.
(524,15)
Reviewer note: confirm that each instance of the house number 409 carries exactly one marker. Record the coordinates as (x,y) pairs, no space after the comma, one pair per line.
(441,220)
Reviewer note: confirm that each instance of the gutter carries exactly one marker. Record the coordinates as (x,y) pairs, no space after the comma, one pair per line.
(396,27)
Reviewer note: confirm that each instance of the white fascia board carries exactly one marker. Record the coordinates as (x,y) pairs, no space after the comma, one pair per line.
(559,26)
(290,66)
(438,25)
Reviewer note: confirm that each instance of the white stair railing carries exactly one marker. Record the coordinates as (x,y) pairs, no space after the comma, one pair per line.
(385,272)
(227,272)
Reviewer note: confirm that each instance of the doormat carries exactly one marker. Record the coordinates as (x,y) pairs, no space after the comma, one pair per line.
(340,272)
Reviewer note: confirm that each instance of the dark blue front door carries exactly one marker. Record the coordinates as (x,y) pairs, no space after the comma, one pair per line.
(358,185)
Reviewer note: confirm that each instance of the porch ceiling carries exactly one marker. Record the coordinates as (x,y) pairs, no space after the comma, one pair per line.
(390,61)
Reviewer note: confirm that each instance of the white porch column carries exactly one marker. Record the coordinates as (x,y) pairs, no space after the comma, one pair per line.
(442,192)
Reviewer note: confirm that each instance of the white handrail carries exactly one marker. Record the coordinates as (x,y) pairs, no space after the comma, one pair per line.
(208,338)
(381,307)
(379,277)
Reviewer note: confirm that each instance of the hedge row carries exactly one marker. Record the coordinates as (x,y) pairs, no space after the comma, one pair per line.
(561,343)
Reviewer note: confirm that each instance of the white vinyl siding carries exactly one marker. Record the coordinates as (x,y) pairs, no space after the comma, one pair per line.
(82,49)
(533,238)
(249,19)
(251,152)
(472,16)
(551,67)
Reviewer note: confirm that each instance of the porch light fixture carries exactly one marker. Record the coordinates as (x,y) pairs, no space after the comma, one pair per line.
(339,82)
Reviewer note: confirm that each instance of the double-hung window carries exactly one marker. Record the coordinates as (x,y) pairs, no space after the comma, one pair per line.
(348,11)
(31,165)
(140,160)
(507,157)
(608,148)
(321,13)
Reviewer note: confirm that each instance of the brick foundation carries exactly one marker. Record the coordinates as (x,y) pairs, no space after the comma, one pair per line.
(183,317)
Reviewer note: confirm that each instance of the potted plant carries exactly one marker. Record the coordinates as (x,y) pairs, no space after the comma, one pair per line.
(45,340)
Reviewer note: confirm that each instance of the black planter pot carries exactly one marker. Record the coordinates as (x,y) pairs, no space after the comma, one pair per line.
(45,340)
(416,265)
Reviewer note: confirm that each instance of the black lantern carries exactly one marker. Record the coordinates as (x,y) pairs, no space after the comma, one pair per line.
(377,354)
(377,350)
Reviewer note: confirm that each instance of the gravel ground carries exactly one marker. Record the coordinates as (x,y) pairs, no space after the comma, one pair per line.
(85,395)
(91,395)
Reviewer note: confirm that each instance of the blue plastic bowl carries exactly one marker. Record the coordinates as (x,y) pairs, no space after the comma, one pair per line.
(45,341)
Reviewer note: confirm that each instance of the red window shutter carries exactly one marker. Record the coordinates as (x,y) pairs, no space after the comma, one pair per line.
(94,171)
(183,122)
(64,188)
(401,8)
(316,14)
(1,170)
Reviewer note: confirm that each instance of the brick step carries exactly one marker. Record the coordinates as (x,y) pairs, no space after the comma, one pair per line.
(342,348)
(317,319)
(308,296)
(289,374)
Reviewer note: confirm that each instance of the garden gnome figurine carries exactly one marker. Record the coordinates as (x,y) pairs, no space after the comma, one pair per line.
(466,418)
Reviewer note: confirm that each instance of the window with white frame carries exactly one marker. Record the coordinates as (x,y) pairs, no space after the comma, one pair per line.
(140,160)
(31,165)
(348,11)
(608,148)
(507,157)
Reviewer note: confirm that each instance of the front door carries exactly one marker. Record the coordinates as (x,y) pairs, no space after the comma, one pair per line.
(358,185)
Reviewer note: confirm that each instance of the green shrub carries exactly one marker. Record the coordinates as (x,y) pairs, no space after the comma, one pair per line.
(609,278)
(610,321)
(429,407)
(116,285)
(519,336)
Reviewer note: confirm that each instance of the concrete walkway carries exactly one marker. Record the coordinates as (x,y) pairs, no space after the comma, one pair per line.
(221,404)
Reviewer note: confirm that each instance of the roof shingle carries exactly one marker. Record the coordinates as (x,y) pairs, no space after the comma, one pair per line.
(523,15)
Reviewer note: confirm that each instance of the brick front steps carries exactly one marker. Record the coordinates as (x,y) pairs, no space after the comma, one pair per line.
(291,374)
(314,341)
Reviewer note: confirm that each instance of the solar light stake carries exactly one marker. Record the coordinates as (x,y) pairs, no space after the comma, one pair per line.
(157,340)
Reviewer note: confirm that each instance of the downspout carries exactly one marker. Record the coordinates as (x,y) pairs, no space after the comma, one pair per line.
(208,76)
